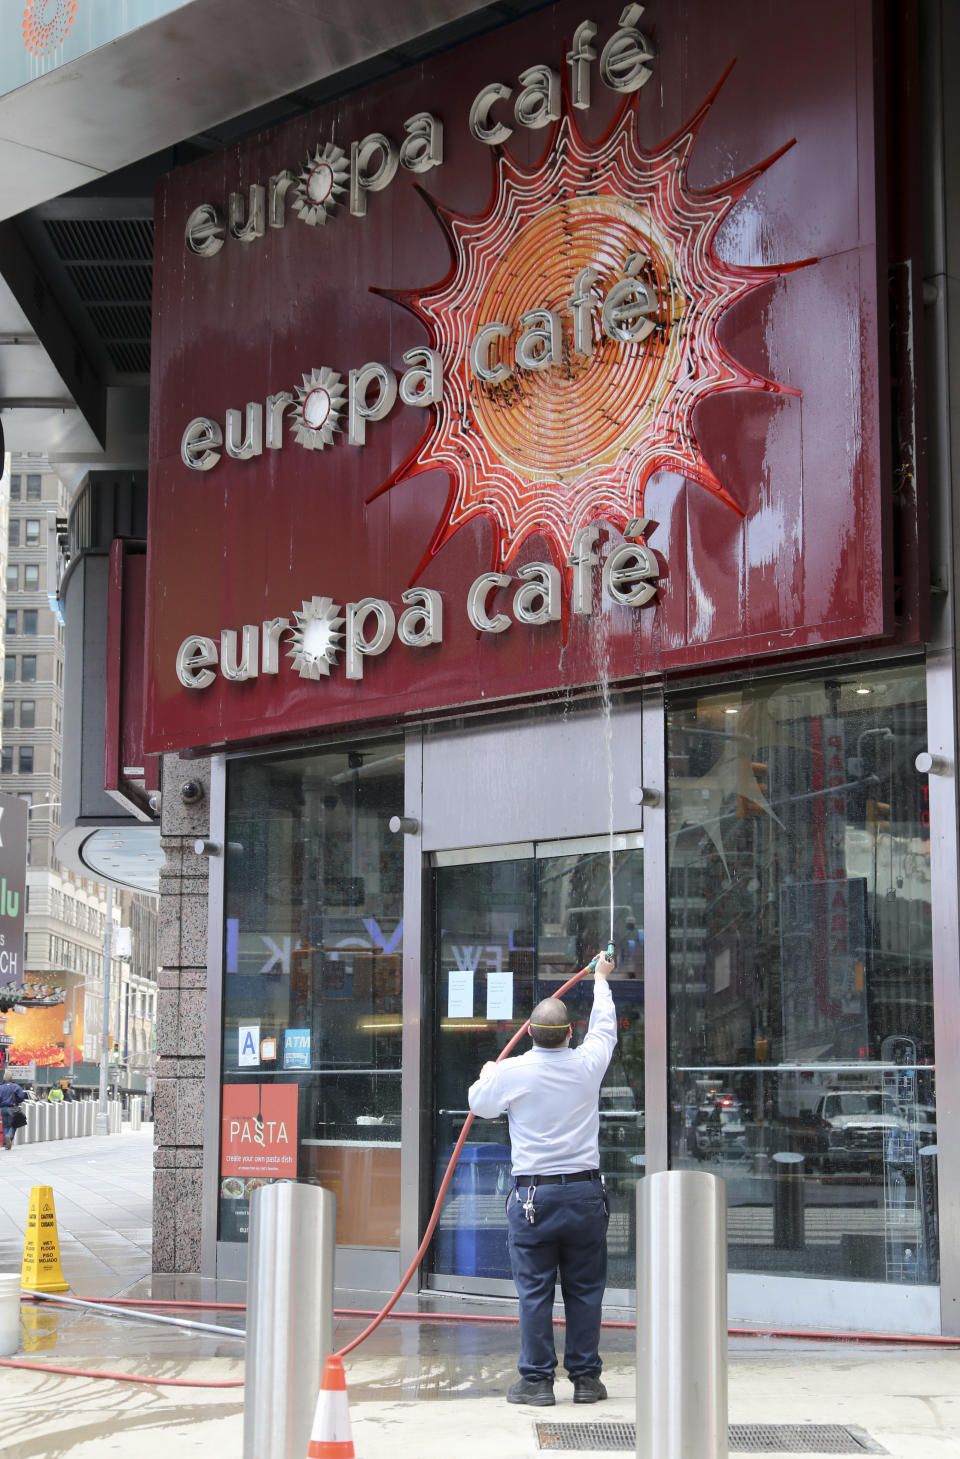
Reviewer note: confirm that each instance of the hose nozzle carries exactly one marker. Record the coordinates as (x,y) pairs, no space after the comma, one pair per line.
(591,965)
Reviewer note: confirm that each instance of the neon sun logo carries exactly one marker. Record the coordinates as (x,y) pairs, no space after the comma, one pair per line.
(548,451)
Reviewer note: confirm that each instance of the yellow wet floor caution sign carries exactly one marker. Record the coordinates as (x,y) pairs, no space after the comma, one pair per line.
(41,1249)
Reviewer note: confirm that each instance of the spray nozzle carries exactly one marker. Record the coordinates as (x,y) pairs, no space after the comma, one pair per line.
(591,965)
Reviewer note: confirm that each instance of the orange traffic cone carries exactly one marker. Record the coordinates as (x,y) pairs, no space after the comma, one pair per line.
(331,1437)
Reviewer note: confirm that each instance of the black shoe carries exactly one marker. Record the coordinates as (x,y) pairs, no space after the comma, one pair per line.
(536,1391)
(588,1390)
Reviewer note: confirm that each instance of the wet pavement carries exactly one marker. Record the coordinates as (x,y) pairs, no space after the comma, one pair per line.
(103,1194)
(415,1388)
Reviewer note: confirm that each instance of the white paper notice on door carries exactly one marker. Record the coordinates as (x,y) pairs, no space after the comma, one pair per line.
(500,995)
(460,993)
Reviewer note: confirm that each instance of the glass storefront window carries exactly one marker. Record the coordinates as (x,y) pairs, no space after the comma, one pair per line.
(312,984)
(508,933)
(800,983)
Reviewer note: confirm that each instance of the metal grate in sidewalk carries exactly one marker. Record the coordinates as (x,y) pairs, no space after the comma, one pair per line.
(742,1438)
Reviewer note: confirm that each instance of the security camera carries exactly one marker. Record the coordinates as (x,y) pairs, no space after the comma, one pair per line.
(191,791)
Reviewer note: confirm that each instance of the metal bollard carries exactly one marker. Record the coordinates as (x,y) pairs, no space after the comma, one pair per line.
(682,1316)
(289,1316)
(929,1212)
(114,1116)
(73,1120)
(789,1190)
(90,1113)
(136,1112)
(43,1120)
(30,1129)
(58,1110)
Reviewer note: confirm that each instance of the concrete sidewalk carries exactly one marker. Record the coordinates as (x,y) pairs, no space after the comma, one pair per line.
(103,1194)
(415,1388)
(419,1390)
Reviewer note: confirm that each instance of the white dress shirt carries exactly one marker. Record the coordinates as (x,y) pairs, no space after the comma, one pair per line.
(552,1097)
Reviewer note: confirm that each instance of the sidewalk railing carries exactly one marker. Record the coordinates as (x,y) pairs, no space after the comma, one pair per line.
(70,1120)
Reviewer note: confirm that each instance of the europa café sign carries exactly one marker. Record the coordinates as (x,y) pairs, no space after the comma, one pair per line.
(529,366)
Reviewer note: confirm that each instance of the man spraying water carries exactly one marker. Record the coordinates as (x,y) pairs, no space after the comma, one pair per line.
(557,1212)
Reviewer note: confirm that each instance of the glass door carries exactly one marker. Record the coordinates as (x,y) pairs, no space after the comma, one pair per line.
(512,924)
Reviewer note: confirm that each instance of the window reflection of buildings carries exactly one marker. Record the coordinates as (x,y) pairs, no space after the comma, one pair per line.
(730,970)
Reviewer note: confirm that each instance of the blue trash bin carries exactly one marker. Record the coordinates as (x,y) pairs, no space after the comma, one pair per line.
(471,1238)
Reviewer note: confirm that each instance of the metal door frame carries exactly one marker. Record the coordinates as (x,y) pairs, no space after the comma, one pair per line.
(417,1138)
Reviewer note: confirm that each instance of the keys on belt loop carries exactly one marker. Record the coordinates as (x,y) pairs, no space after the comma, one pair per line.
(527,1205)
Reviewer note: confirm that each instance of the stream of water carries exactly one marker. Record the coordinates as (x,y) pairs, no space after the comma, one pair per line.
(602,650)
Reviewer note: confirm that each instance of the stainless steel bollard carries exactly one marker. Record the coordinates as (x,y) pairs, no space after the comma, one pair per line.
(136,1112)
(789,1190)
(30,1129)
(73,1120)
(90,1113)
(289,1316)
(43,1120)
(59,1112)
(114,1116)
(682,1316)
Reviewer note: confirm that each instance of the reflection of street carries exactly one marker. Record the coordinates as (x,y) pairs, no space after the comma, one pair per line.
(847,1228)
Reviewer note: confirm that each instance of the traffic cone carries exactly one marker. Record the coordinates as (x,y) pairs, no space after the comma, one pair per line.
(331,1437)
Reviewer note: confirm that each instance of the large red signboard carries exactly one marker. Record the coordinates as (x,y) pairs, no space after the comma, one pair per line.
(556,358)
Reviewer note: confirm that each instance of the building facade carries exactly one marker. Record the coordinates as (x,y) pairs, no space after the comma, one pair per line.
(570,584)
(550,540)
(59,1028)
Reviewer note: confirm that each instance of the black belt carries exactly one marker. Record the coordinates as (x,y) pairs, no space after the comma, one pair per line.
(557,1179)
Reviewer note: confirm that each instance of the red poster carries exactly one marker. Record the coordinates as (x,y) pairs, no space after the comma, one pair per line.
(259,1130)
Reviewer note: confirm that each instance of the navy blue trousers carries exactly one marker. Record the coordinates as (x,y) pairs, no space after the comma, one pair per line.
(569,1238)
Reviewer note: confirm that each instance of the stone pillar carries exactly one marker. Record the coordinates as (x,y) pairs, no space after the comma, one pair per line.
(181,1017)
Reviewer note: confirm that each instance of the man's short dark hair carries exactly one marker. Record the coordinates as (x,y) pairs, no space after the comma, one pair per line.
(549,1024)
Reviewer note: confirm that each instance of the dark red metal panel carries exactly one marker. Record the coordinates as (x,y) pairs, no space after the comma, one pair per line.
(771,499)
(128,773)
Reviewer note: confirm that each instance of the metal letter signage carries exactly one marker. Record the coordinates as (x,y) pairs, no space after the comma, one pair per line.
(535,389)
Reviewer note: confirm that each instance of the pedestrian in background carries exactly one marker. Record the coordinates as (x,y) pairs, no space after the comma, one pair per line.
(11,1098)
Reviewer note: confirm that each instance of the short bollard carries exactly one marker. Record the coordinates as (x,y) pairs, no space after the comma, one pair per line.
(929,1213)
(289,1316)
(789,1232)
(681,1316)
